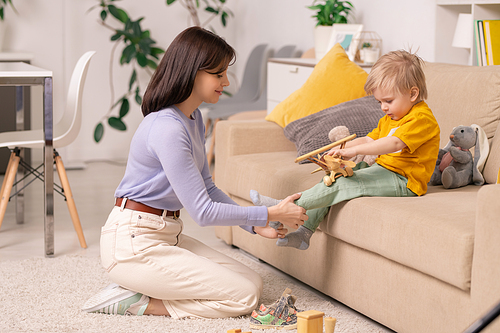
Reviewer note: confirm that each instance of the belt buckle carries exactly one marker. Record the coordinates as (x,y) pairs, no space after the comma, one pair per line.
(176,214)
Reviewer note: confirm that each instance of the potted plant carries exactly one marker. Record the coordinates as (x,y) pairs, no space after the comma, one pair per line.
(328,13)
(140,52)
(369,47)
(369,53)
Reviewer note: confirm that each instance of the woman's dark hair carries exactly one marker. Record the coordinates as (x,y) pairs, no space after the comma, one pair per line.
(192,50)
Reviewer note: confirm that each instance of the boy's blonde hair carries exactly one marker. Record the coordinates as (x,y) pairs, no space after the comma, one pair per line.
(399,71)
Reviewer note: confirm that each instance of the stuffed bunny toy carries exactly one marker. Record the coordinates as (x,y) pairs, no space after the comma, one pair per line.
(339,132)
(455,166)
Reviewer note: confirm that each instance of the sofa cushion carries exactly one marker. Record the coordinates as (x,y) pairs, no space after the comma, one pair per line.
(335,79)
(360,116)
(432,233)
(272,174)
(458,95)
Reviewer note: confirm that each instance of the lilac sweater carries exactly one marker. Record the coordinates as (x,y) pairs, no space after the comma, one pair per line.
(167,169)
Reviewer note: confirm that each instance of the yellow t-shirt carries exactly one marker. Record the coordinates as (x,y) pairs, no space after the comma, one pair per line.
(419,130)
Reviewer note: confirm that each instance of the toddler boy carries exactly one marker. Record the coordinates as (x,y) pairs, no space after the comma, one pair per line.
(406,141)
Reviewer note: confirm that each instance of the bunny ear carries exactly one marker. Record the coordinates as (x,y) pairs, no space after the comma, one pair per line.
(481,152)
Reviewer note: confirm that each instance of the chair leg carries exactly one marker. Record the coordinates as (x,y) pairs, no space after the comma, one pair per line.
(210,154)
(61,171)
(8,182)
(9,164)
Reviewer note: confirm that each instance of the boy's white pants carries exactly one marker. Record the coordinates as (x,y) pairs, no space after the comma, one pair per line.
(149,254)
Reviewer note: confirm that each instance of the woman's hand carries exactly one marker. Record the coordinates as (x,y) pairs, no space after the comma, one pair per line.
(287,212)
(269,232)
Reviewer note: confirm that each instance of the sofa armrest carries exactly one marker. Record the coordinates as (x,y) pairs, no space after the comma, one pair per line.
(485,284)
(237,137)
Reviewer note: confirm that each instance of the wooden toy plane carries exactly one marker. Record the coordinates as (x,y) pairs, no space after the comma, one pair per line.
(334,166)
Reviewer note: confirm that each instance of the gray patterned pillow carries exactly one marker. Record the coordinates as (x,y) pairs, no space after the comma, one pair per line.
(360,116)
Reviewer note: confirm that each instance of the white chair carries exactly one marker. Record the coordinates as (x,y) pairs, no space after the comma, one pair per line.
(65,132)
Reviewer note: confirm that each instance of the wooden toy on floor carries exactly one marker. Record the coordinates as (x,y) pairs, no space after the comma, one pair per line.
(330,324)
(334,166)
(312,322)
(236,330)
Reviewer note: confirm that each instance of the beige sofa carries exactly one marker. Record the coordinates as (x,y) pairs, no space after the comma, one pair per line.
(421,264)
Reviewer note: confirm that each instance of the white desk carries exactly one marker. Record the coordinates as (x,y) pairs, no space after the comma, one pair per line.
(20,74)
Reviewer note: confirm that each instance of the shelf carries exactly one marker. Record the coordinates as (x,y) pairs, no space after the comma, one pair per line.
(465,2)
(447,12)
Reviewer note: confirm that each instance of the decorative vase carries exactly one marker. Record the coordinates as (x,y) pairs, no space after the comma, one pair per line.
(322,34)
(369,47)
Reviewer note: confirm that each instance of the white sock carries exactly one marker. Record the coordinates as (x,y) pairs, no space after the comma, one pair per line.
(261,200)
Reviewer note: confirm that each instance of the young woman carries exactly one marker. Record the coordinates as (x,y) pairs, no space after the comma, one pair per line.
(155,268)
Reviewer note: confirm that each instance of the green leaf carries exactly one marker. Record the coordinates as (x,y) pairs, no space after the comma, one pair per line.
(136,28)
(118,13)
(126,34)
(132,80)
(155,51)
(169,2)
(223,19)
(152,64)
(104,14)
(117,123)
(212,10)
(1,13)
(124,108)
(128,54)
(98,132)
(116,36)
(138,98)
(141,59)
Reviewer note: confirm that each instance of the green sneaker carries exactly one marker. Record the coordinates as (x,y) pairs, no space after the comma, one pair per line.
(116,300)
(282,314)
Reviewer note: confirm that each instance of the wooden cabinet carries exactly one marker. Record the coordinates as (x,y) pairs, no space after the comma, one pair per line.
(446,20)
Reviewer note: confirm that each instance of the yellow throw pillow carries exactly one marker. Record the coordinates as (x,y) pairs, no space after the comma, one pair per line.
(334,80)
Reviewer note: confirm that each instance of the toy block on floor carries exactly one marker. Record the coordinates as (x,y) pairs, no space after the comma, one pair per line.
(237,330)
(330,324)
(310,322)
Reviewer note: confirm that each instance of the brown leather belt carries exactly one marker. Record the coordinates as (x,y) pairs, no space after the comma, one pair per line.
(134,205)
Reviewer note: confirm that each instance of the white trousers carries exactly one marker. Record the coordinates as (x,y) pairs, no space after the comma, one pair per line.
(149,254)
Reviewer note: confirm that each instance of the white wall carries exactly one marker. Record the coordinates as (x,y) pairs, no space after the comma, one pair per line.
(57,32)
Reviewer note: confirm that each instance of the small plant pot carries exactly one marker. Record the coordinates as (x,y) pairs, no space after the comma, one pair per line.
(369,56)
(322,35)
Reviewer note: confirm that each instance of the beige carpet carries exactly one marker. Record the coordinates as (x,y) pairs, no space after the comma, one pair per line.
(45,295)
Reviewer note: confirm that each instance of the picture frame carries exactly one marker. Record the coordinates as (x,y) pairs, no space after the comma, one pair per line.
(345,34)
